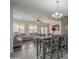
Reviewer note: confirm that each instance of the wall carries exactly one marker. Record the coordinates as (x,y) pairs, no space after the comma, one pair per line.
(11,30)
(64,24)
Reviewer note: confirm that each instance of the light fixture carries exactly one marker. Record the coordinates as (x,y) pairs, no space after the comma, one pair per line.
(38,21)
(53,15)
(57,14)
(61,14)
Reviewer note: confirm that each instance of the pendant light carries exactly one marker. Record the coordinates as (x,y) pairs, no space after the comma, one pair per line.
(57,15)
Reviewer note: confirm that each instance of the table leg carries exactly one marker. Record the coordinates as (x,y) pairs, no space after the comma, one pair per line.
(37,49)
(44,51)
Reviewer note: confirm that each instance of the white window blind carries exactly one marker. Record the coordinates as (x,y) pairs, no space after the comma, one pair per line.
(32,28)
(17,27)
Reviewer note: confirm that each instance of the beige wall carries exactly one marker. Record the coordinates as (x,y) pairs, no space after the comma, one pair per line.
(11,30)
(64,25)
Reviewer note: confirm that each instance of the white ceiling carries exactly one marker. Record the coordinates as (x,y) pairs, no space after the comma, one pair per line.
(40,7)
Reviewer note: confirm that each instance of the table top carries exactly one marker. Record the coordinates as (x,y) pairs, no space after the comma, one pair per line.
(43,37)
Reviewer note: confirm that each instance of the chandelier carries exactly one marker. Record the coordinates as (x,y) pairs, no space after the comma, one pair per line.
(38,20)
(57,14)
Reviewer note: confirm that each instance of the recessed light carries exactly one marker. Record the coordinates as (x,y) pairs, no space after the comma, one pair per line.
(61,14)
(53,15)
(56,13)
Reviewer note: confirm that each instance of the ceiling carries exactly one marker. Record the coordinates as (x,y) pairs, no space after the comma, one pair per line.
(40,7)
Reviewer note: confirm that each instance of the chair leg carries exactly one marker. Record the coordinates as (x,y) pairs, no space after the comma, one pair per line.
(61,52)
(51,54)
(37,50)
(58,54)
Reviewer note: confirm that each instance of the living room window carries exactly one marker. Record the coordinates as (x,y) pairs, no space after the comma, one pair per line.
(44,30)
(32,28)
(17,27)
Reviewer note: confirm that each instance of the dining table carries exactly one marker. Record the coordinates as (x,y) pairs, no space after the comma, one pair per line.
(41,46)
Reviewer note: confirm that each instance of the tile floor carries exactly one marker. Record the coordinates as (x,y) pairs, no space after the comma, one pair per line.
(28,52)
